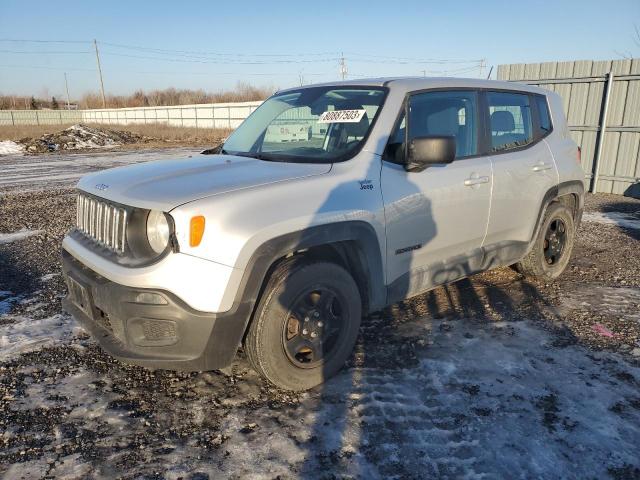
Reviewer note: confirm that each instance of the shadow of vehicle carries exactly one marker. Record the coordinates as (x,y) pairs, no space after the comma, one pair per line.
(16,275)
(633,190)
(351,380)
(354,426)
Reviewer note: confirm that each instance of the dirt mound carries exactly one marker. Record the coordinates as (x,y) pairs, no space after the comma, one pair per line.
(80,137)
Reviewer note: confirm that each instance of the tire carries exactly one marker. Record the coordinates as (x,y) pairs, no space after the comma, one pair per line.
(548,258)
(280,344)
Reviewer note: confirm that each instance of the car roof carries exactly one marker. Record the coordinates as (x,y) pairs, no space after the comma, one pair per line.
(409,84)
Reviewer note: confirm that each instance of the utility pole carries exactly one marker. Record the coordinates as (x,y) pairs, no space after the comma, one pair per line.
(490,71)
(424,73)
(482,67)
(343,67)
(104,102)
(66,84)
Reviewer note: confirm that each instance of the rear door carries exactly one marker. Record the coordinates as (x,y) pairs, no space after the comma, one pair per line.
(436,219)
(523,171)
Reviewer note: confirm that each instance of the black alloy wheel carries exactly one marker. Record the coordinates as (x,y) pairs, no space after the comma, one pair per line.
(555,240)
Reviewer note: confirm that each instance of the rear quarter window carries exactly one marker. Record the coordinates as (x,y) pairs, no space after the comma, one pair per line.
(544,117)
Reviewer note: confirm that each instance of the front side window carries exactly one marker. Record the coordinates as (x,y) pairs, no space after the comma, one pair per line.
(510,120)
(318,124)
(446,113)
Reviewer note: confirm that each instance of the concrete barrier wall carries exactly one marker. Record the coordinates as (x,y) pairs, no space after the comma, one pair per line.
(39,117)
(207,115)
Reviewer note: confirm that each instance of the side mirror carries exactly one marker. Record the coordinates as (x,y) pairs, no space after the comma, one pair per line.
(431,150)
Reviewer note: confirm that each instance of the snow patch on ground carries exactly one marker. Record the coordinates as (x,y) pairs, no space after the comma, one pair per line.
(484,400)
(79,137)
(16,236)
(70,467)
(48,277)
(85,137)
(8,147)
(621,302)
(27,173)
(7,301)
(28,334)
(620,219)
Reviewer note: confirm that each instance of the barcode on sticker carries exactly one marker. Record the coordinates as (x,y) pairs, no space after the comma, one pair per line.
(342,116)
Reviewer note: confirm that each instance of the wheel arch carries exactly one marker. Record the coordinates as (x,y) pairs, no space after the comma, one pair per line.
(352,244)
(571,194)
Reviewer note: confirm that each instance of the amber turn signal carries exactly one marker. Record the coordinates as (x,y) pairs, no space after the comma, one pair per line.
(196,230)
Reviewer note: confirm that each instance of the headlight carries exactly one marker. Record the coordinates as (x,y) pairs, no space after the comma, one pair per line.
(157,231)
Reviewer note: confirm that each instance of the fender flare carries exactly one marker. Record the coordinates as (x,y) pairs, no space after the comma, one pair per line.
(564,188)
(357,231)
(232,325)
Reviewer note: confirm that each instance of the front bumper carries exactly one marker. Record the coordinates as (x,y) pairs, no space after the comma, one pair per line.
(170,336)
(202,284)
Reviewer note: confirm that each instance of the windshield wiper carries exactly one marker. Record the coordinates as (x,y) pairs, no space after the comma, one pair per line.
(248,155)
(257,156)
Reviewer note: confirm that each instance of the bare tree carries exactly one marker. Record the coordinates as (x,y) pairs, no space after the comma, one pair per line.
(628,54)
(243,92)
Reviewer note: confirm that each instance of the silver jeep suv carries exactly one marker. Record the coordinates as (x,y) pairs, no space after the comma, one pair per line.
(329,202)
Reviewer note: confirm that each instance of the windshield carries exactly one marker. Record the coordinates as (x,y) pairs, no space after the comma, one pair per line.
(316,124)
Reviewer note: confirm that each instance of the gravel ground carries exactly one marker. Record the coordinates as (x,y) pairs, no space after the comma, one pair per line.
(494,376)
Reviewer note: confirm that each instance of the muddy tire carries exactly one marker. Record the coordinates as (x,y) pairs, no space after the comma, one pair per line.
(305,325)
(552,248)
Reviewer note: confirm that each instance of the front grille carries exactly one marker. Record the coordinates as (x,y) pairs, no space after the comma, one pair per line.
(102,222)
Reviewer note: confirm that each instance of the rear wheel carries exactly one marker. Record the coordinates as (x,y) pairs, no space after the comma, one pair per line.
(305,326)
(552,248)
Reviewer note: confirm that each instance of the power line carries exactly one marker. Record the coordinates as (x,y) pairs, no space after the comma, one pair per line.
(40,67)
(40,52)
(411,62)
(219,62)
(196,53)
(459,66)
(42,41)
(415,59)
(205,55)
(154,72)
(208,54)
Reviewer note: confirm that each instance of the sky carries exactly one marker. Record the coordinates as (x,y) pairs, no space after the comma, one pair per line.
(214,45)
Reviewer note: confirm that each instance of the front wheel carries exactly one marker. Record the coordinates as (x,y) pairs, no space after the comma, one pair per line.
(305,326)
(552,248)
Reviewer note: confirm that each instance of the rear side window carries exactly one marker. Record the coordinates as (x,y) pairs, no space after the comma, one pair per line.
(446,113)
(510,120)
(543,114)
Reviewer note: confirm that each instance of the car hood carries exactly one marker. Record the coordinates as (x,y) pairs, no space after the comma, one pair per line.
(166,184)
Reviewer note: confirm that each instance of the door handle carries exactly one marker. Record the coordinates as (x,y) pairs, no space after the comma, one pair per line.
(470,182)
(541,167)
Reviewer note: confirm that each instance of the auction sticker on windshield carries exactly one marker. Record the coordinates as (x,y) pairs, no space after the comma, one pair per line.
(342,116)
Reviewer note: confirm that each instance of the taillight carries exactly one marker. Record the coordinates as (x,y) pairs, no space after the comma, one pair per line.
(579,155)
